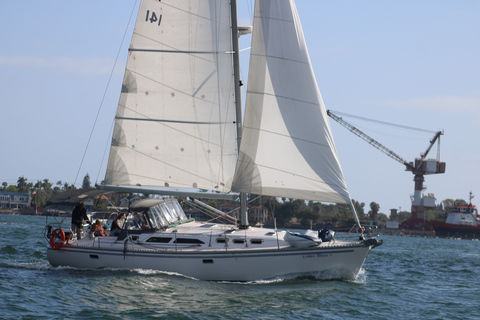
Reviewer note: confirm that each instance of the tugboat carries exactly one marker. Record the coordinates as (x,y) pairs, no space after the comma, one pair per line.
(463,221)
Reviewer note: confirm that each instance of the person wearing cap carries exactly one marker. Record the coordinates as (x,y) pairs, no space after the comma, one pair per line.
(79,214)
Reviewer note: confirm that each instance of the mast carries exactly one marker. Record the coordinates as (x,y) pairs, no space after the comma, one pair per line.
(238,102)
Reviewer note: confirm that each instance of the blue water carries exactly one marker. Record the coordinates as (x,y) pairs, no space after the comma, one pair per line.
(405,278)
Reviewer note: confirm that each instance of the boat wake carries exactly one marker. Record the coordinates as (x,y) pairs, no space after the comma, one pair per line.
(330,275)
(27,265)
(159,272)
(361,277)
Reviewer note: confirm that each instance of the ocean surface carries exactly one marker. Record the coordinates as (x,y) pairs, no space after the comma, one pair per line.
(405,278)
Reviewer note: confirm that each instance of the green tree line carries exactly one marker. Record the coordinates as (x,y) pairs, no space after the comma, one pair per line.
(283,210)
(41,190)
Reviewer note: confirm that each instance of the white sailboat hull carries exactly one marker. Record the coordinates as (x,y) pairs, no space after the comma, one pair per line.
(339,262)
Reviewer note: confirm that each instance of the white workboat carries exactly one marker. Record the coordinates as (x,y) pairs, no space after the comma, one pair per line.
(179,126)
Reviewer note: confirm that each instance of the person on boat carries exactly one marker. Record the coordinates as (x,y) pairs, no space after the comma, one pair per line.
(97,229)
(117,225)
(138,222)
(79,215)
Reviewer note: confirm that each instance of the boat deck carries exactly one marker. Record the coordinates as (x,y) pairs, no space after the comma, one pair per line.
(198,236)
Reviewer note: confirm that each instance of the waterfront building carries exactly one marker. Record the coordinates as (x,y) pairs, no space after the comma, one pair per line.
(15,199)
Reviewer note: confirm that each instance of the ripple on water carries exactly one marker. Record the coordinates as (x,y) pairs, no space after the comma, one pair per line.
(8,249)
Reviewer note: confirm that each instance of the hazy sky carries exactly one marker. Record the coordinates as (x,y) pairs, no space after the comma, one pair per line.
(414,63)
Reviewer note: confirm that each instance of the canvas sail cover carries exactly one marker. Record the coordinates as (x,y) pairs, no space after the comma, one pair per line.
(175,123)
(287,149)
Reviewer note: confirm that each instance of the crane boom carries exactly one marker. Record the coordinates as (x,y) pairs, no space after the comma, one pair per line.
(420,167)
(371,141)
(432,142)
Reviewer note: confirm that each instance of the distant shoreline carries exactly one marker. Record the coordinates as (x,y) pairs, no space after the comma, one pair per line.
(23,212)
(390,232)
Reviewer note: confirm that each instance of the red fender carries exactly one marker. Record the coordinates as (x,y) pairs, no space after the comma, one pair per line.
(55,233)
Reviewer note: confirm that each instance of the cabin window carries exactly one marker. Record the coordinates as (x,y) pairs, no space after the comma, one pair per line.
(166,213)
(256,241)
(157,217)
(222,240)
(170,217)
(178,210)
(159,239)
(238,240)
(172,211)
(187,240)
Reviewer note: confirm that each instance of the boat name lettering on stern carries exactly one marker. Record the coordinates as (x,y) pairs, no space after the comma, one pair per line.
(153,17)
(316,255)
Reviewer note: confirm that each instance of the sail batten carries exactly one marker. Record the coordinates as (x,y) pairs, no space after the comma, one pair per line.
(172,121)
(177,51)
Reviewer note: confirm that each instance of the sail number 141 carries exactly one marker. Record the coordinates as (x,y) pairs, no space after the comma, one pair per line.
(153,17)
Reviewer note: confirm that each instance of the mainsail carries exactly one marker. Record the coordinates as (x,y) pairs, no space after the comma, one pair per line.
(287,149)
(175,123)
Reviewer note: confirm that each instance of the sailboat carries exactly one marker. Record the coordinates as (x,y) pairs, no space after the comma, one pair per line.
(180,132)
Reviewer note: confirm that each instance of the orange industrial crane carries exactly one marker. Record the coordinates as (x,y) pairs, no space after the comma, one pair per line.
(420,167)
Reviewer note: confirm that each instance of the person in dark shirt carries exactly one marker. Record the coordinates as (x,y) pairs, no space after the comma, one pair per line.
(79,214)
(138,222)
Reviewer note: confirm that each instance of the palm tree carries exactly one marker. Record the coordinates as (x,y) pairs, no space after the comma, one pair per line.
(375,208)
(47,185)
(38,185)
(22,184)
(86,182)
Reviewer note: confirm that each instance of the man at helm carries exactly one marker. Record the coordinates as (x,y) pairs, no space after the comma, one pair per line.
(79,214)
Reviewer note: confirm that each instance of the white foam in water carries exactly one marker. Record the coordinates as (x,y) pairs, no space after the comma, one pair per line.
(361,277)
(153,272)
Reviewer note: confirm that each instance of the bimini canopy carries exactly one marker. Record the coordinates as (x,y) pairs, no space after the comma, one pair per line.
(74,197)
(145,204)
